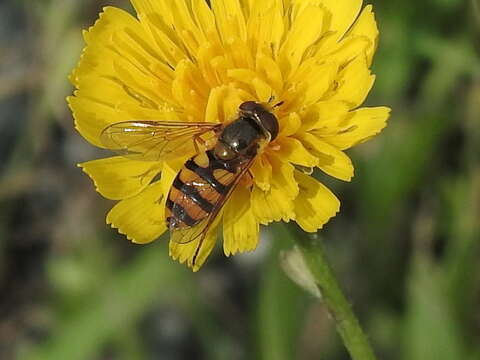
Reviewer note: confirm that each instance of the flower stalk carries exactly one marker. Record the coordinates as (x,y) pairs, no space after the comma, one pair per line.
(337,305)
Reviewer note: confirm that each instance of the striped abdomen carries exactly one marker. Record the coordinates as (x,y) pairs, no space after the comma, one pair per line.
(198,189)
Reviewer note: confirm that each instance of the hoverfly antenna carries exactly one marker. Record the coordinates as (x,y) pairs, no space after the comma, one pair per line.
(278,104)
(270,99)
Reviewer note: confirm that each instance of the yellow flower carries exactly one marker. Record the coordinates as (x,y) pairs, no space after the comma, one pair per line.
(182,60)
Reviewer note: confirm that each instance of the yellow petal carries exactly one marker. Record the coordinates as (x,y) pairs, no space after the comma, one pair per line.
(361,125)
(93,113)
(271,205)
(184,24)
(292,150)
(315,204)
(289,125)
(251,79)
(345,50)
(98,37)
(314,81)
(366,26)
(144,89)
(223,103)
(206,60)
(262,172)
(91,117)
(306,28)
(276,203)
(342,14)
(262,89)
(147,6)
(194,253)
(265,25)
(190,89)
(239,53)
(324,117)
(330,159)
(354,82)
(118,178)
(119,77)
(142,217)
(242,75)
(230,19)
(282,176)
(175,19)
(168,42)
(240,227)
(118,35)
(269,70)
(205,19)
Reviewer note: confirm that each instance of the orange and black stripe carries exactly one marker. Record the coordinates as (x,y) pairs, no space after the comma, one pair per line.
(197,188)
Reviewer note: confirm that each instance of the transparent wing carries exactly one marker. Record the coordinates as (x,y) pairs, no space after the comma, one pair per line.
(155,140)
(199,231)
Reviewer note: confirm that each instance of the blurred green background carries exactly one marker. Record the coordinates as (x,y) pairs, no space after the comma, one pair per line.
(405,245)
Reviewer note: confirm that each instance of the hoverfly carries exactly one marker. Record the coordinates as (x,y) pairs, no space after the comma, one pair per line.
(209,177)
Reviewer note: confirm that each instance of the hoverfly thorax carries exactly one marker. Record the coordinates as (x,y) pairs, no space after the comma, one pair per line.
(262,116)
(254,128)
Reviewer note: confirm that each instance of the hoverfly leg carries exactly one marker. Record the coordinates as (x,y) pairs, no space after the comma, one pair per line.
(146,177)
(278,104)
(272,99)
(158,202)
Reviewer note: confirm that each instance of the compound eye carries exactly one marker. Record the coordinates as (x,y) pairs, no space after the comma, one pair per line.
(248,106)
(223,152)
(270,123)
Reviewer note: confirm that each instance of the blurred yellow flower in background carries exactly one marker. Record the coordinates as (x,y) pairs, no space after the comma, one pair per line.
(183,60)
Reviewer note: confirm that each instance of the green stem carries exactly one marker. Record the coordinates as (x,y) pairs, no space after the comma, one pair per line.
(347,324)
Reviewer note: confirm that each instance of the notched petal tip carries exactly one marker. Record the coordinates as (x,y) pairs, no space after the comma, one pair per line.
(240,226)
(140,217)
(315,204)
(195,253)
(118,178)
(360,126)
